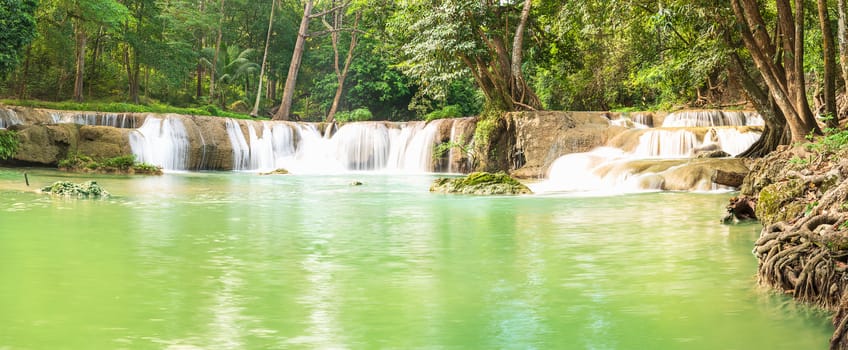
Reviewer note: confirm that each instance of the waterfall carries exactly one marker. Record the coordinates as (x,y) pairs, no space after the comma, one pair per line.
(658,158)
(241,151)
(115,120)
(162,142)
(732,140)
(362,146)
(666,143)
(711,118)
(8,118)
(452,143)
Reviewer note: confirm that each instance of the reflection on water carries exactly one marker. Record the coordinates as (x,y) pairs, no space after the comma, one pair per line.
(241,261)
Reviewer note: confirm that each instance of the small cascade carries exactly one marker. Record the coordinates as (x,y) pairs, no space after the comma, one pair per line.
(115,120)
(711,118)
(731,140)
(162,142)
(362,146)
(241,151)
(416,147)
(659,158)
(8,118)
(642,120)
(635,120)
(451,150)
(666,144)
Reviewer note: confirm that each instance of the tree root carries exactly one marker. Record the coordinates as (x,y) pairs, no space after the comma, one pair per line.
(806,259)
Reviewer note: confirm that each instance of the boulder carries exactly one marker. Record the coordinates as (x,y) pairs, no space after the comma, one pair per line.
(45,144)
(480,183)
(103,142)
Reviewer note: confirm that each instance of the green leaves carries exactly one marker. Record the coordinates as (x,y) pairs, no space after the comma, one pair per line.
(18,29)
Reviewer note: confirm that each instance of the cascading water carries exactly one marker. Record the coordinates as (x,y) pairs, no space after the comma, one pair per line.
(124,121)
(363,146)
(8,118)
(162,142)
(241,151)
(711,118)
(660,160)
(666,144)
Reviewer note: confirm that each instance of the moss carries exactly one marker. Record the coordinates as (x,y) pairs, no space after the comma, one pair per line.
(777,202)
(88,189)
(480,183)
(117,165)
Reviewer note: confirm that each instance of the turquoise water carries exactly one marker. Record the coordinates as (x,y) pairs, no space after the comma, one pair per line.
(242,261)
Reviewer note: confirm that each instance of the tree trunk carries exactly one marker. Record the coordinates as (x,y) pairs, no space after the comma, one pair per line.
(829,66)
(520,92)
(297,56)
(133,71)
(255,111)
(341,75)
(25,75)
(842,35)
(785,84)
(214,68)
(80,62)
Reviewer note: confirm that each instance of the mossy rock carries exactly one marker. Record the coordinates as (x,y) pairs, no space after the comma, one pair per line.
(88,189)
(480,183)
(779,201)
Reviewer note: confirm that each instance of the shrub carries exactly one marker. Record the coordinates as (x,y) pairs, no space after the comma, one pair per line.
(9,144)
(121,162)
(450,111)
(356,115)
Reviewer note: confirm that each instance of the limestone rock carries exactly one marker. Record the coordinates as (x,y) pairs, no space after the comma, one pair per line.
(102,142)
(480,183)
(46,144)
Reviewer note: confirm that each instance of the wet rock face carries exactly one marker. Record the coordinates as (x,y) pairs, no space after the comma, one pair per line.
(480,183)
(542,137)
(102,142)
(45,144)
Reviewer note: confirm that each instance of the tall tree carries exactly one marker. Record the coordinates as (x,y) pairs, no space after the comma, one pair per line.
(782,73)
(449,38)
(18,18)
(89,16)
(218,39)
(829,53)
(255,111)
(294,67)
(335,30)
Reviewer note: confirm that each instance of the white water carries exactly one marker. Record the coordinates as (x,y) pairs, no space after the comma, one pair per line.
(114,120)
(364,146)
(8,118)
(712,118)
(162,142)
(660,153)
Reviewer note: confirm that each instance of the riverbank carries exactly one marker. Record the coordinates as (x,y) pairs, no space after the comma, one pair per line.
(801,197)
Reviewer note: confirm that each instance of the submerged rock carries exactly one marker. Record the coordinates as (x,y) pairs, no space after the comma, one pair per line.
(280,171)
(88,189)
(480,183)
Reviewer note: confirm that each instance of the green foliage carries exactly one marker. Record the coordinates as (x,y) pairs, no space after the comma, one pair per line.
(120,164)
(9,144)
(480,183)
(357,115)
(450,111)
(122,107)
(799,161)
(17,21)
(88,189)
